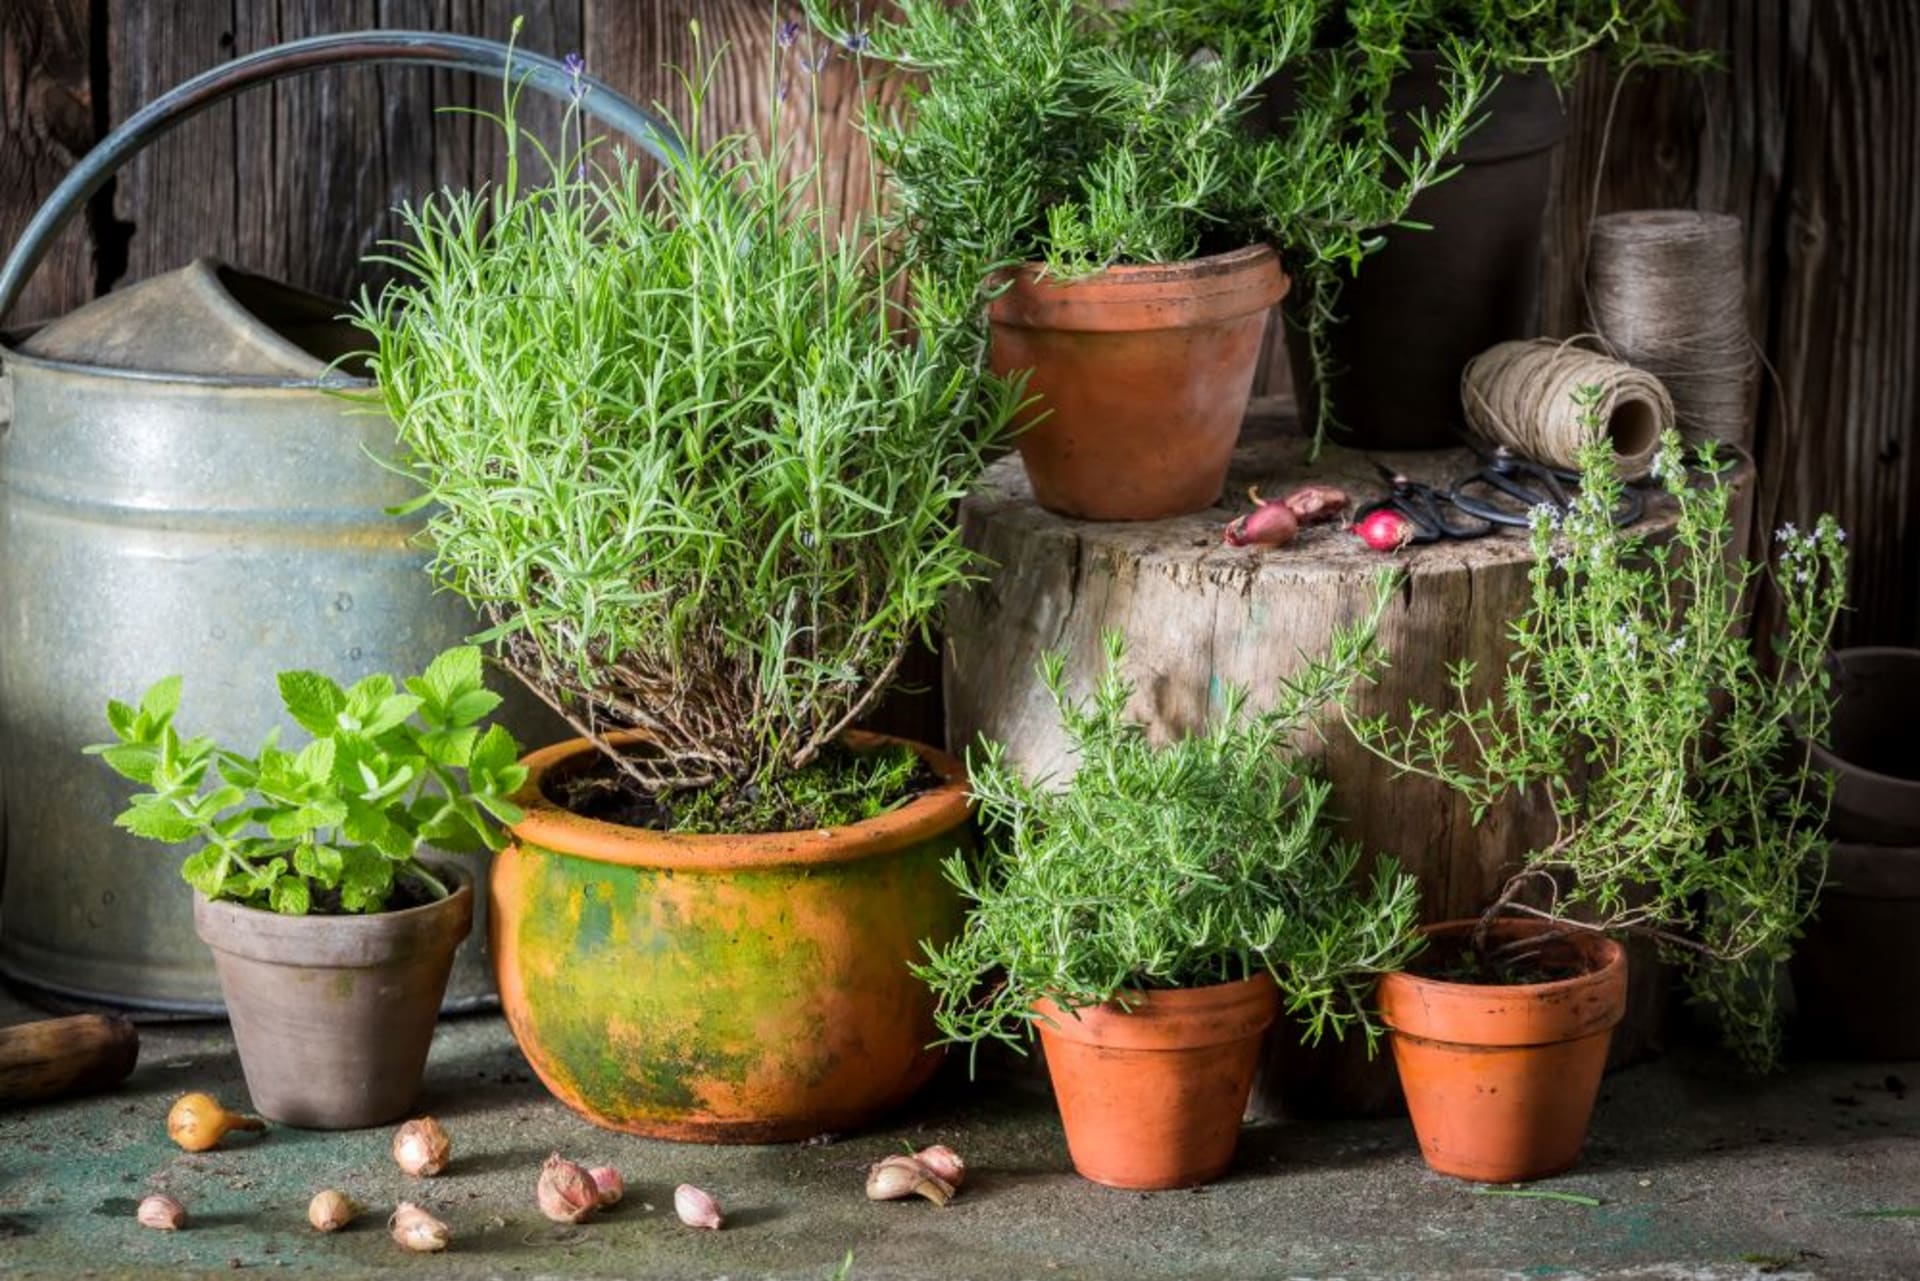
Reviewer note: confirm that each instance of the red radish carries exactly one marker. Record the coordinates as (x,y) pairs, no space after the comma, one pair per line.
(1385,530)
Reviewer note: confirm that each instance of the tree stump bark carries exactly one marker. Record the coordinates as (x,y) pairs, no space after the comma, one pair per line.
(1199,616)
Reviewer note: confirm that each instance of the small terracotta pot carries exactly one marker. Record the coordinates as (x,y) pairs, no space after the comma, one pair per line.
(1151,1096)
(1870,746)
(1141,376)
(725,989)
(334,1015)
(1856,971)
(1501,1081)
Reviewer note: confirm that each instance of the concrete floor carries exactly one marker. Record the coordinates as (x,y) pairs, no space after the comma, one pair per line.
(1699,1174)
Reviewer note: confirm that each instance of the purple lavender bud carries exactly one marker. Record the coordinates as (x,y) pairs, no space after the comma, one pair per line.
(576,68)
(857,43)
(789,32)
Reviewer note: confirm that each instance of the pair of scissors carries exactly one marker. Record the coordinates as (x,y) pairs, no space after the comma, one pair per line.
(1434,513)
(1508,487)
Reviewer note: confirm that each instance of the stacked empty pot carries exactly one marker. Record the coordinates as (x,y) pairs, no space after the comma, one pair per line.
(1856,973)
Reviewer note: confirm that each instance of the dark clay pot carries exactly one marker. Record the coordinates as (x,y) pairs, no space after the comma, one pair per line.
(1429,301)
(333,1015)
(1856,973)
(1871,749)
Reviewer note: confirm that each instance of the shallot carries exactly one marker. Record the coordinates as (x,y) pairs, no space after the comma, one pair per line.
(1384,530)
(198,1122)
(414,1229)
(329,1211)
(1271,523)
(696,1208)
(897,1177)
(422,1148)
(161,1213)
(1312,504)
(566,1192)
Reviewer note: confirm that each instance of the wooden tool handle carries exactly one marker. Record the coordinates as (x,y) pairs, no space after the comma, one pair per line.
(55,1057)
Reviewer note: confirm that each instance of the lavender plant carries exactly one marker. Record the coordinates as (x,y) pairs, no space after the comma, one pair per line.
(1635,705)
(1202,861)
(676,447)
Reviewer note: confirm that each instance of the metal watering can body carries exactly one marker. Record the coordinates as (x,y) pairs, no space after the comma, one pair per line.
(188,485)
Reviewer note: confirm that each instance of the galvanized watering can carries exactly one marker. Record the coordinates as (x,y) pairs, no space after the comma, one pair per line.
(181,490)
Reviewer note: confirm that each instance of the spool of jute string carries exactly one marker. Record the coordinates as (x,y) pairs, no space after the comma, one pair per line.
(1521,395)
(1666,292)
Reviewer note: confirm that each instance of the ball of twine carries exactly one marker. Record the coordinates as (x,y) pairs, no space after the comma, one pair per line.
(1666,292)
(1521,395)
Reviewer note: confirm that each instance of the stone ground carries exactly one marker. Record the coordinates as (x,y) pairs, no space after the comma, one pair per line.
(1694,1173)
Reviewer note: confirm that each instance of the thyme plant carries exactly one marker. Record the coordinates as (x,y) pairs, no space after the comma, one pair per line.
(1203,861)
(1082,136)
(1635,705)
(336,827)
(675,446)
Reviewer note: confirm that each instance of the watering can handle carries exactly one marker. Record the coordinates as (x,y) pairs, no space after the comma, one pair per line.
(598,100)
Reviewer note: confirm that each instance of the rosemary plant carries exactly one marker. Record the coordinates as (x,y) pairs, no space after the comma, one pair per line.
(1635,705)
(1074,134)
(1200,862)
(676,447)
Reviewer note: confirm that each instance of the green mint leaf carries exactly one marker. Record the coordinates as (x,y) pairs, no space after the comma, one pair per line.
(495,751)
(390,713)
(161,701)
(313,701)
(156,820)
(472,706)
(121,718)
(315,761)
(290,896)
(134,762)
(205,869)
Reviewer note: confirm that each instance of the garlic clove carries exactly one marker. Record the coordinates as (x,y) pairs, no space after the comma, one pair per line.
(414,1229)
(330,1210)
(943,1163)
(607,1179)
(696,1208)
(422,1147)
(898,1177)
(161,1213)
(566,1192)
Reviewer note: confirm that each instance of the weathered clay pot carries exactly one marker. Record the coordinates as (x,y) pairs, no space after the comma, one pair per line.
(1871,749)
(1856,972)
(1140,376)
(1151,1095)
(333,1015)
(1501,1081)
(728,989)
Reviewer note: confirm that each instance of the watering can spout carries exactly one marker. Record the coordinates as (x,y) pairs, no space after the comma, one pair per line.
(211,320)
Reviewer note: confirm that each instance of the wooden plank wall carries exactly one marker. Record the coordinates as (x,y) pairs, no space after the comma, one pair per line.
(1812,135)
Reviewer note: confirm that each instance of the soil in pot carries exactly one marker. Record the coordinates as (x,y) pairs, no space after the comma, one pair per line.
(1151,1093)
(726,988)
(1140,378)
(1500,1076)
(333,1015)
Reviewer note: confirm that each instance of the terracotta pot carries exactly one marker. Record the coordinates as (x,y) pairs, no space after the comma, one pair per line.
(1871,749)
(728,989)
(1141,376)
(1501,1080)
(1151,1096)
(333,1015)
(1856,972)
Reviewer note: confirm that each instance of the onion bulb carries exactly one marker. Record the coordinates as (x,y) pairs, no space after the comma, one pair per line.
(566,1192)
(421,1147)
(329,1211)
(198,1122)
(414,1229)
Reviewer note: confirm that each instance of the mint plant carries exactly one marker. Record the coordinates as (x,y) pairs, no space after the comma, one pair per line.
(337,825)
(1636,706)
(1202,861)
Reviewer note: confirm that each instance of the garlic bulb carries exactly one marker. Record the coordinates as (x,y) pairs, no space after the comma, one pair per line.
(607,1179)
(696,1208)
(421,1147)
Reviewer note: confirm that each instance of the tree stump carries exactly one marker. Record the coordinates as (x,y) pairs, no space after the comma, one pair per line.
(1199,616)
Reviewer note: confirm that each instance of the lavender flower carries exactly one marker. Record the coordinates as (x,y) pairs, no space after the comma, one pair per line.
(789,32)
